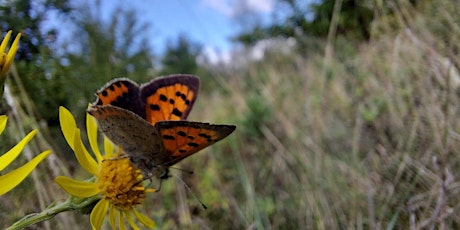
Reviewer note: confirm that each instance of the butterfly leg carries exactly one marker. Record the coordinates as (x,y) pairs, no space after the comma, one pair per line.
(150,179)
(165,175)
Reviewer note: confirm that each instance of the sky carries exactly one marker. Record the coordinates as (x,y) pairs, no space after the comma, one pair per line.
(210,23)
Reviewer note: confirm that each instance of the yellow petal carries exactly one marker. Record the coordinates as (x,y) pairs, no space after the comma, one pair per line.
(5,42)
(121,223)
(131,222)
(77,188)
(3,120)
(112,217)
(145,220)
(9,156)
(13,178)
(13,49)
(72,135)
(11,54)
(98,214)
(91,128)
(82,155)
(108,147)
(68,126)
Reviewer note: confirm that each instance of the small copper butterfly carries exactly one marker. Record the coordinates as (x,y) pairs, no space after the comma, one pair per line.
(148,122)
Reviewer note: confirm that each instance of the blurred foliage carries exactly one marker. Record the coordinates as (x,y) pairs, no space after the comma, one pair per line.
(306,19)
(34,55)
(259,114)
(180,57)
(354,21)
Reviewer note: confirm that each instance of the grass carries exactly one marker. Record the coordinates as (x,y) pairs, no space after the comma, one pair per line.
(365,140)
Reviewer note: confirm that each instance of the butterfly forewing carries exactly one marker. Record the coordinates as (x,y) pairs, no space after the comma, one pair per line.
(183,138)
(169,98)
(123,93)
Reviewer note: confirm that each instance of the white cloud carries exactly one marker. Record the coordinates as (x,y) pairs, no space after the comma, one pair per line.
(278,45)
(262,6)
(222,6)
(231,7)
(241,56)
(213,56)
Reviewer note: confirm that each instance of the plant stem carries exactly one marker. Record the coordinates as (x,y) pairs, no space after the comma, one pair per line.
(71,204)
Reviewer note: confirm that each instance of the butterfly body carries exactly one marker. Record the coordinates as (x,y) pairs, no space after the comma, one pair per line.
(152,142)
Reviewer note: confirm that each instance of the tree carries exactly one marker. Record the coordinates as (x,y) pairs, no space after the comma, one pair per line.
(354,22)
(180,57)
(34,55)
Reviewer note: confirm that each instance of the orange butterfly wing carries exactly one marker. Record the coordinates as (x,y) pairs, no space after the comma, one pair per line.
(122,93)
(183,138)
(169,98)
(164,98)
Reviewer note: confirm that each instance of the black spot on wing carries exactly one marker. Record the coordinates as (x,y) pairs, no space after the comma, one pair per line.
(181,133)
(169,137)
(193,144)
(154,107)
(204,135)
(177,112)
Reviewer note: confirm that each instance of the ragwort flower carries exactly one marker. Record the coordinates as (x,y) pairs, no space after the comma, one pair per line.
(12,179)
(6,59)
(116,179)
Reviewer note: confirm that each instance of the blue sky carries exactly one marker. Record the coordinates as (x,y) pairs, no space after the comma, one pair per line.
(208,22)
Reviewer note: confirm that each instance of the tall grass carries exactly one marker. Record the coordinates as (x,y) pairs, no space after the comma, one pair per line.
(367,139)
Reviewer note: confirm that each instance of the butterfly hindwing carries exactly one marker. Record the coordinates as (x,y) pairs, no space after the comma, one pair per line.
(169,98)
(123,93)
(183,138)
(135,136)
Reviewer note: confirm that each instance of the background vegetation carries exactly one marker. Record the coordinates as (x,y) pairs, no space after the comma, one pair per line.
(355,127)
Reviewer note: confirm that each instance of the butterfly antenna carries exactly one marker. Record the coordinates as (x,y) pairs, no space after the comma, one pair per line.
(183,170)
(191,192)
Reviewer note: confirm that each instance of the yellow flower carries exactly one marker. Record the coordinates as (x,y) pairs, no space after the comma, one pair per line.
(12,179)
(116,179)
(7,58)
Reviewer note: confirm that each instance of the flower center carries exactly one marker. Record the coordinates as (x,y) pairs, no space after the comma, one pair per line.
(120,183)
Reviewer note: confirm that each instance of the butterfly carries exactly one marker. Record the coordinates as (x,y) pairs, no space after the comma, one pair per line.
(136,121)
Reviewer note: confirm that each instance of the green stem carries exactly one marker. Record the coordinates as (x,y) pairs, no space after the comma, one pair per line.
(71,204)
